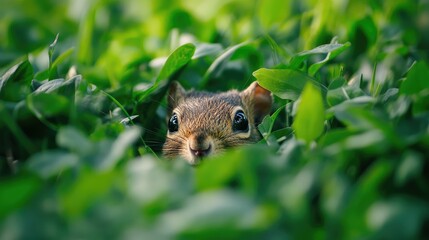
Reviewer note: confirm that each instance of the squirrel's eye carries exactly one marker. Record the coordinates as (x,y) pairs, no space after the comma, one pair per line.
(173,124)
(240,122)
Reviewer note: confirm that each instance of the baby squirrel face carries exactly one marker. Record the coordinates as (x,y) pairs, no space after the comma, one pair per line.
(203,123)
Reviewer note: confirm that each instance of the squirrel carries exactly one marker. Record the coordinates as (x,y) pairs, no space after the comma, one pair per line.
(204,123)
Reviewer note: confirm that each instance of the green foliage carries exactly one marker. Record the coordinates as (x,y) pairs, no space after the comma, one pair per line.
(344,154)
(310,117)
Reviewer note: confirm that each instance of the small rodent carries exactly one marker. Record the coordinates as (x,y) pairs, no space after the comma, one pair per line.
(203,123)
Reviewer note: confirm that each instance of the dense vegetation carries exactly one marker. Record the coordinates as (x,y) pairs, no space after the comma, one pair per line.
(82,106)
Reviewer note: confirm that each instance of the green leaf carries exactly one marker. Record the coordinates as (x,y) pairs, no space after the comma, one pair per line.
(284,83)
(111,154)
(51,50)
(367,191)
(359,118)
(342,94)
(272,12)
(217,66)
(206,49)
(399,212)
(72,139)
(177,60)
(239,163)
(48,164)
(267,124)
(47,105)
(417,79)
(15,82)
(16,192)
(86,32)
(209,212)
(310,117)
(61,58)
(60,86)
(89,187)
(335,51)
(332,50)
(8,120)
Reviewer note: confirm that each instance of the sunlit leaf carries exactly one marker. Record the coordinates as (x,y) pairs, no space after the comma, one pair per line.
(331,55)
(332,50)
(179,58)
(205,49)
(284,83)
(310,117)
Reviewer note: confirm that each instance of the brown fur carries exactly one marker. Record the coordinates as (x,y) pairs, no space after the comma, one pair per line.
(206,119)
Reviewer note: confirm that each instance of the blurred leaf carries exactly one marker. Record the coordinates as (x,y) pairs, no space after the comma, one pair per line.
(21,137)
(51,163)
(51,50)
(360,118)
(45,105)
(177,60)
(272,12)
(388,216)
(333,50)
(110,155)
(16,192)
(205,49)
(342,94)
(210,212)
(72,139)
(310,118)
(416,80)
(163,180)
(411,166)
(331,55)
(63,57)
(294,195)
(337,83)
(217,66)
(206,178)
(89,187)
(421,103)
(284,83)
(86,32)
(15,83)
(61,86)
(238,164)
(366,192)
(266,126)
(363,31)
(290,153)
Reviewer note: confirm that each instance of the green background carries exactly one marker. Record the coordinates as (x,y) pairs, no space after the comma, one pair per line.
(344,154)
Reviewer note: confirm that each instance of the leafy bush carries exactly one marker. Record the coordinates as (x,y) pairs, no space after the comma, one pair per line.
(344,153)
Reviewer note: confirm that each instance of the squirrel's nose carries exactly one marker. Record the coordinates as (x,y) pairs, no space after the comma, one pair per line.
(200,152)
(200,145)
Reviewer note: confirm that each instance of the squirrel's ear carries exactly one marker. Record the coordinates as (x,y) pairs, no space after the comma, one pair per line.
(176,94)
(262,100)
